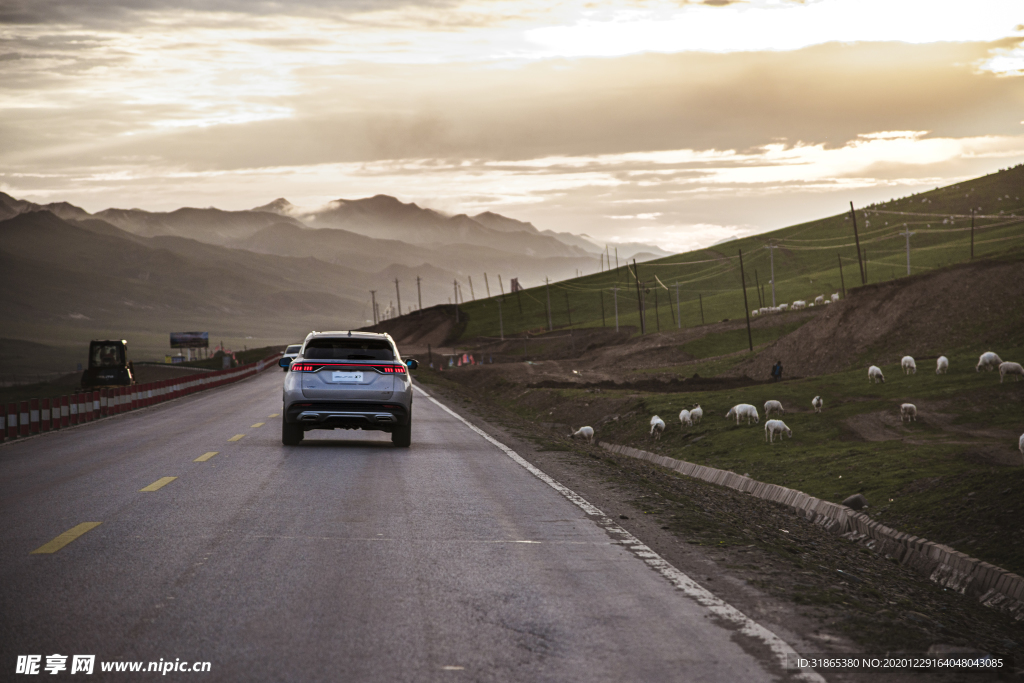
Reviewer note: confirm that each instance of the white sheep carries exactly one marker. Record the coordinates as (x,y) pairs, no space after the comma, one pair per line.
(875,374)
(819,300)
(799,304)
(696,414)
(773,427)
(941,365)
(586,433)
(988,360)
(657,427)
(743,410)
(1010,369)
(753,313)
(817,403)
(908,365)
(908,412)
(835,297)
(783,307)
(684,418)
(773,407)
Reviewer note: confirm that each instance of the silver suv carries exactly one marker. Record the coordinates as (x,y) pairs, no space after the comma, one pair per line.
(347,380)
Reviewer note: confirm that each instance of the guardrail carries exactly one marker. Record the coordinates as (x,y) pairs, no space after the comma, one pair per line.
(35,416)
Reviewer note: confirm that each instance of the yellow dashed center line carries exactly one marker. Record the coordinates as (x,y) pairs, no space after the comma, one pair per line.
(206,456)
(159,484)
(236,437)
(258,424)
(274,415)
(65,538)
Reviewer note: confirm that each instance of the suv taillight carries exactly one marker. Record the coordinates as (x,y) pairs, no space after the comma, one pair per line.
(392,369)
(303,367)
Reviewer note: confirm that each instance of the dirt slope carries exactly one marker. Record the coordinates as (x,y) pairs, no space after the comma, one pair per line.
(432,326)
(974,304)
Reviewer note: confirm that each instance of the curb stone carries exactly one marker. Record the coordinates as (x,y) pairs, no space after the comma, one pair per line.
(992,586)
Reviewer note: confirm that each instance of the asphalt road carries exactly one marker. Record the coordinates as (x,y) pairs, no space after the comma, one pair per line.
(342,559)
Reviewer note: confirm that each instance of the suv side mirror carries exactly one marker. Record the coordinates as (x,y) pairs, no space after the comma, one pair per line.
(285,362)
(412,363)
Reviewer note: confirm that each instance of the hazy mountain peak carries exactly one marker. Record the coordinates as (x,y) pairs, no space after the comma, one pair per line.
(279,206)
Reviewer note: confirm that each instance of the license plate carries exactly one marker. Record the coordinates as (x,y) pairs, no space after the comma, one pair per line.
(346,376)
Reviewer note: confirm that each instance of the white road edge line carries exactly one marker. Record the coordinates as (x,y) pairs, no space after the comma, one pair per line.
(747,626)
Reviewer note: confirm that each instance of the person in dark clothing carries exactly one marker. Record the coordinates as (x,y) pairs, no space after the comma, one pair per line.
(777,371)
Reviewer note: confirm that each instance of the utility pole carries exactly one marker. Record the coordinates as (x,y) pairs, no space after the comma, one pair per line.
(487,285)
(419,293)
(616,259)
(501,321)
(567,309)
(500,285)
(455,286)
(907,233)
(679,314)
(856,238)
(757,288)
(639,297)
(841,280)
(771,249)
(373,299)
(657,318)
(746,308)
(615,298)
(547,289)
(972,234)
(398,295)
(470,278)
(600,293)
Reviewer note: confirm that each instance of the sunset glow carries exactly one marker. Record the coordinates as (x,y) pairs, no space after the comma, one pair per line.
(676,123)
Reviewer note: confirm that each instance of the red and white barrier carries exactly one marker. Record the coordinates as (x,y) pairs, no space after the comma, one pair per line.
(22,419)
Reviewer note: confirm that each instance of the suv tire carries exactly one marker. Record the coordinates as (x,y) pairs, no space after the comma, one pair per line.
(402,434)
(291,434)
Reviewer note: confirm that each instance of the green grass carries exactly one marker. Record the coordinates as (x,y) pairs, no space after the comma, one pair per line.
(920,484)
(721,343)
(806,264)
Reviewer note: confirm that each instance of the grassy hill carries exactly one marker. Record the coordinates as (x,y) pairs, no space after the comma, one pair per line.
(807,262)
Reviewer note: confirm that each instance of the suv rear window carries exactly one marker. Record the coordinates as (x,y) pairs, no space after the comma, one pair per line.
(348,349)
(294,348)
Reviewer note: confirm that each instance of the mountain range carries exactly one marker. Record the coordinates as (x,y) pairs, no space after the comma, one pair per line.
(270,273)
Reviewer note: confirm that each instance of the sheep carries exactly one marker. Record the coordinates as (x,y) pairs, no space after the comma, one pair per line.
(1010,369)
(817,403)
(685,419)
(819,300)
(773,427)
(657,427)
(783,307)
(989,361)
(941,365)
(908,411)
(799,305)
(835,297)
(743,410)
(753,313)
(908,365)
(773,407)
(586,433)
(875,374)
(696,414)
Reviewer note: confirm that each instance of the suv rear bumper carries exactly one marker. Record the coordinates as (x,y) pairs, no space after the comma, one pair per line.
(347,415)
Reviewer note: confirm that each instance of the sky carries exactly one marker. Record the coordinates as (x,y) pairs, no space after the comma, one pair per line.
(672,122)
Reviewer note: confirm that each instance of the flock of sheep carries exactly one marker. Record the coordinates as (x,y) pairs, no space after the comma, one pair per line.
(908,411)
(797,305)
